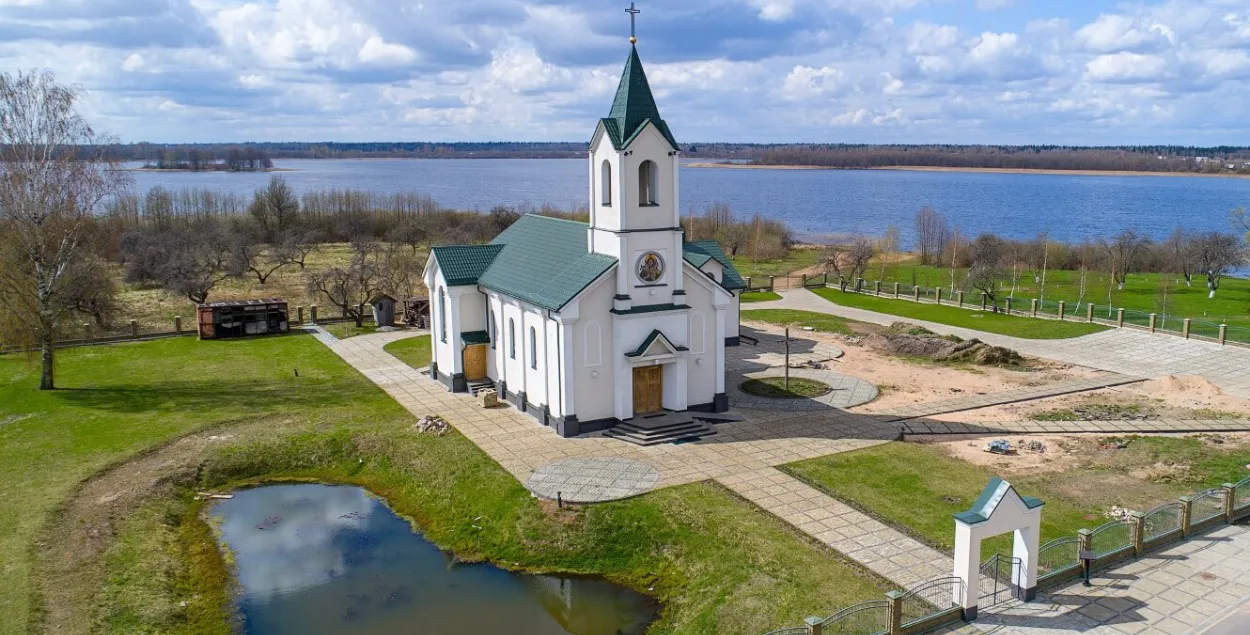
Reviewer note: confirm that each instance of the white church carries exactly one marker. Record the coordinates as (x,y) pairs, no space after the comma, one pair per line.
(619,323)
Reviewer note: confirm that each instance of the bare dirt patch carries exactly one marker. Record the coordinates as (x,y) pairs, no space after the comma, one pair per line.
(1039,453)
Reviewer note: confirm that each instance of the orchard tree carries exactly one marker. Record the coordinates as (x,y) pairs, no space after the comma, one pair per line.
(53,174)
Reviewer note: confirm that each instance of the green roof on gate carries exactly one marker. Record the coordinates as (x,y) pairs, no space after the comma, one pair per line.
(634,107)
(544,261)
(465,264)
(699,252)
(989,499)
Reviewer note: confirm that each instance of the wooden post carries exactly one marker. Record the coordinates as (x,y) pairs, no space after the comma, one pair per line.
(1153,319)
(771,282)
(1187,515)
(895,612)
(959,295)
(178,324)
(937,295)
(1089,312)
(1119,319)
(1185,327)
(1139,533)
(1033,307)
(915,294)
(1061,310)
(787,359)
(1223,334)
(1230,502)
(134,328)
(895,289)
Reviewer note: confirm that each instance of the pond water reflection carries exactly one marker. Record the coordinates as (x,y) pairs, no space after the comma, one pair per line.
(314,559)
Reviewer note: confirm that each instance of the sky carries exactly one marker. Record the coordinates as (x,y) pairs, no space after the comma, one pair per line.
(822,71)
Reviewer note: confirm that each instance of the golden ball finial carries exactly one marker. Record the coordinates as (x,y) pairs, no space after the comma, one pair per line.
(633,40)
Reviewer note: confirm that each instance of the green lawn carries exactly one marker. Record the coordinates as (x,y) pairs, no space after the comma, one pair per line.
(760,296)
(414,351)
(344,330)
(798,319)
(716,562)
(1030,328)
(917,487)
(1142,292)
(775,387)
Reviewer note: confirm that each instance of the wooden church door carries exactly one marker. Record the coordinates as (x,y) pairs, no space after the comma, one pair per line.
(648,389)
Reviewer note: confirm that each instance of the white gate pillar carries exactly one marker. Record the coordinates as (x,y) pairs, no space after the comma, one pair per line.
(998,510)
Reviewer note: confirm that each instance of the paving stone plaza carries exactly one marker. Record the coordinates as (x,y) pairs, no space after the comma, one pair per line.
(743,456)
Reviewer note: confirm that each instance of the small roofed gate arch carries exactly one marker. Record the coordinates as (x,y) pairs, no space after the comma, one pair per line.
(648,183)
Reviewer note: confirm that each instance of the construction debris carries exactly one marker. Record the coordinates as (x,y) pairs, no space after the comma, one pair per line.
(909,340)
(199,496)
(432,424)
(999,446)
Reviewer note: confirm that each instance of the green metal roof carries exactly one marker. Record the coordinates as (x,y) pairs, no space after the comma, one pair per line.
(655,334)
(474,337)
(465,264)
(544,261)
(698,253)
(989,499)
(634,107)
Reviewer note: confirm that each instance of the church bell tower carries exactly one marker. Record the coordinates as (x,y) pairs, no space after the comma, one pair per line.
(634,200)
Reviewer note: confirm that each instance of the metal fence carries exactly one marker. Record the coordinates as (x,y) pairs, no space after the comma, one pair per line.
(1207,505)
(1241,497)
(1058,557)
(1162,522)
(931,599)
(865,618)
(1111,539)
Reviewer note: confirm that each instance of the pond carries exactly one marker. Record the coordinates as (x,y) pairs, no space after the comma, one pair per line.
(315,559)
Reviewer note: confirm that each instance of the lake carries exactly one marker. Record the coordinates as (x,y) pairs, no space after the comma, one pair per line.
(812,202)
(322,560)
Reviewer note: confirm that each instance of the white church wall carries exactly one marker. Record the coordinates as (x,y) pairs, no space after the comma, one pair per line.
(629,332)
(594,356)
(493,361)
(512,356)
(649,145)
(733,316)
(472,310)
(661,291)
(443,335)
(535,362)
(701,369)
(604,215)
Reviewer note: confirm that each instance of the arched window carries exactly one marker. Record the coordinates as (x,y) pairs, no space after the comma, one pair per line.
(442,314)
(533,348)
(511,338)
(605,183)
(648,175)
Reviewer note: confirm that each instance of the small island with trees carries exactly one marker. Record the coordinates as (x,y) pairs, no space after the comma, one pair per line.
(216,158)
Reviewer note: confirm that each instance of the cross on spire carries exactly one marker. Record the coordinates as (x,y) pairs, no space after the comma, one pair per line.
(633,13)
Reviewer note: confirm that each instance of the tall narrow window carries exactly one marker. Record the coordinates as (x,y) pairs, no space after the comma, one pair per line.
(442,314)
(605,183)
(511,338)
(533,348)
(490,317)
(648,174)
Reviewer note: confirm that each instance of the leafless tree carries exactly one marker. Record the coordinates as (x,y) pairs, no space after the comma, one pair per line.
(296,244)
(851,259)
(1126,248)
(932,232)
(1179,252)
(187,261)
(274,208)
(249,254)
(411,231)
(53,173)
(887,247)
(1215,254)
(350,288)
(987,263)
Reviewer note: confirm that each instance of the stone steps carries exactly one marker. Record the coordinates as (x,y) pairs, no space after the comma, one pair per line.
(669,427)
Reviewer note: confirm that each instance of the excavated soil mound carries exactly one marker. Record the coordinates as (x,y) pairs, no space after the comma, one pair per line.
(910,340)
(1191,385)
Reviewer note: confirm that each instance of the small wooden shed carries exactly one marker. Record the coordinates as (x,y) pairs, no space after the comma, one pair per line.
(417,312)
(241,318)
(383,310)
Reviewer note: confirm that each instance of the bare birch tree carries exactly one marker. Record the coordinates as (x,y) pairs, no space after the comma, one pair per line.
(53,173)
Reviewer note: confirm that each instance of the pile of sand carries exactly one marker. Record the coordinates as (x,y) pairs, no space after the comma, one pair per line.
(1186,385)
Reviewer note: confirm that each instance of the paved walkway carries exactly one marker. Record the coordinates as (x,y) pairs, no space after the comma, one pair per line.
(1172,592)
(1153,426)
(1125,351)
(1031,393)
(884,550)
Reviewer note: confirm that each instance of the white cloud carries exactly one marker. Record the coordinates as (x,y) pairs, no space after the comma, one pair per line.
(377,51)
(774,10)
(1113,32)
(805,82)
(994,5)
(925,38)
(1119,67)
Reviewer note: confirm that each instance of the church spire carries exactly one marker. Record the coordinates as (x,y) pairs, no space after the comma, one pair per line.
(634,105)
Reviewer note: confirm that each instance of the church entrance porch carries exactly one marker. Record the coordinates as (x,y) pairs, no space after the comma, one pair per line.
(648,389)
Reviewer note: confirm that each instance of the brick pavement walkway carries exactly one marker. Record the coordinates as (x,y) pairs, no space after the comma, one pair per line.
(1125,351)
(884,550)
(1171,592)
(1031,393)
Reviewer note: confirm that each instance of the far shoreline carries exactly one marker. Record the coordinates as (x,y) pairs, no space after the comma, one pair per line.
(922,168)
(188,170)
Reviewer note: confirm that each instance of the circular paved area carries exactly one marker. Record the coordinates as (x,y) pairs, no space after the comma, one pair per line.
(847,391)
(593,480)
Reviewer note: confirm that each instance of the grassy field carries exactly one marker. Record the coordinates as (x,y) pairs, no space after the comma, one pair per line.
(717,563)
(798,319)
(414,351)
(800,258)
(917,487)
(1142,291)
(1000,323)
(760,296)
